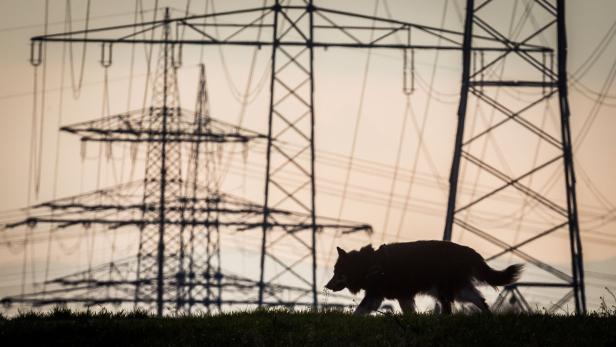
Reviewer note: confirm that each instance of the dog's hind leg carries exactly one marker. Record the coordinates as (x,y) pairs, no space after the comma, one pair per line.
(445,302)
(472,295)
(407,305)
(368,304)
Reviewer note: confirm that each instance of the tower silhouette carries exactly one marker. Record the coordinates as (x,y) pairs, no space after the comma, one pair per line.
(179,214)
(524,171)
(288,213)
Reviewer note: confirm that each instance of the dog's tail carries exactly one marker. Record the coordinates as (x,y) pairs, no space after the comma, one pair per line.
(499,278)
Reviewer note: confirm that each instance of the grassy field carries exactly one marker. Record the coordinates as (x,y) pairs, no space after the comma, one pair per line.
(278,328)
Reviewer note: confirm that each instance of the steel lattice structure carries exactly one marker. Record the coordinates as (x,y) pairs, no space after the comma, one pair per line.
(296,30)
(544,83)
(177,268)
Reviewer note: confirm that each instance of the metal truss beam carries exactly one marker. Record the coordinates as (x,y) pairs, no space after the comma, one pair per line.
(295,32)
(97,288)
(291,118)
(549,83)
(350,27)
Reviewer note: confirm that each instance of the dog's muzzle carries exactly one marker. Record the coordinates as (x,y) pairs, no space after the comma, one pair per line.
(336,284)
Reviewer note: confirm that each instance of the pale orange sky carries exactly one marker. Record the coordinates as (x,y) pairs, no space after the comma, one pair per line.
(339,76)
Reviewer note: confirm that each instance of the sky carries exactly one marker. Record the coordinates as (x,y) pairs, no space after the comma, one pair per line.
(361,112)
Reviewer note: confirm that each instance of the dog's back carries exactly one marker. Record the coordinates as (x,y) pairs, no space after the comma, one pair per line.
(423,265)
(444,270)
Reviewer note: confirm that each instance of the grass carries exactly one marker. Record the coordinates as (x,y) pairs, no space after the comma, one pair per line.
(62,327)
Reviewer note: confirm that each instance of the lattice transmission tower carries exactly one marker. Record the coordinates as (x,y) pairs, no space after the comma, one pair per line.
(516,151)
(294,30)
(179,215)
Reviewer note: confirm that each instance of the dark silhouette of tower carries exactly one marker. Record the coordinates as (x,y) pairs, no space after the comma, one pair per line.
(179,214)
(169,208)
(522,168)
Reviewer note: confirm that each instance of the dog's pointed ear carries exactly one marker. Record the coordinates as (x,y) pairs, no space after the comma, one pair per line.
(341,252)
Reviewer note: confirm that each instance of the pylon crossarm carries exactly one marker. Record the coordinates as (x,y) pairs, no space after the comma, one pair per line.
(253,24)
(434,32)
(138,126)
(83,209)
(121,191)
(118,266)
(148,25)
(88,288)
(351,25)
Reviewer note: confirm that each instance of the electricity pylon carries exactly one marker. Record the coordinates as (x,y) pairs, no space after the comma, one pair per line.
(518,168)
(180,216)
(296,29)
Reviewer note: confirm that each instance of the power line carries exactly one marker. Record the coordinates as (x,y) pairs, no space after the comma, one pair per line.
(356,127)
(420,130)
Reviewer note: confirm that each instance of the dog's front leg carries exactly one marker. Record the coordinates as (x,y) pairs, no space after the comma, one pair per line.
(370,303)
(407,304)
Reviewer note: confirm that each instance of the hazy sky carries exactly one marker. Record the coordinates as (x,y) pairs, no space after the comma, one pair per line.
(340,74)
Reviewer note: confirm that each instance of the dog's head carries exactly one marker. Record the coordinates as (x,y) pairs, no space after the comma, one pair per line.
(341,272)
(351,269)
